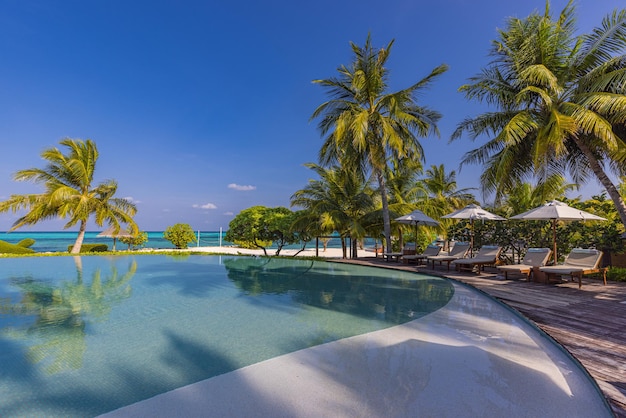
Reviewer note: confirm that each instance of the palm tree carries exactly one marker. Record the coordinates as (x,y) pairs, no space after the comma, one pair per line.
(365,126)
(69,192)
(440,195)
(560,103)
(338,201)
(525,196)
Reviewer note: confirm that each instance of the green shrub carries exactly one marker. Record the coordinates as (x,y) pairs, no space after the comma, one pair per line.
(180,235)
(90,248)
(135,241)
(8,248)
(616,274)
(26,242)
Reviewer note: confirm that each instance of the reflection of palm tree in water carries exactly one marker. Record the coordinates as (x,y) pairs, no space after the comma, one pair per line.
(61,312)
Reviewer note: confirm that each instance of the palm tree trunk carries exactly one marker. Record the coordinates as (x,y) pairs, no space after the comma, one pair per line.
(79,238)
(385,201)
(604,180)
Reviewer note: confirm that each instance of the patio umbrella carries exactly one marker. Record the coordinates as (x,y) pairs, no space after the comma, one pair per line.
(110,233)
(417,217)
(557,211)
(473,212)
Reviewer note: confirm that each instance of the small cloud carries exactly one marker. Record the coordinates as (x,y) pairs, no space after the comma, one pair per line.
(228,213)
(241,188)
(167,210)
(132,200)
(205,206)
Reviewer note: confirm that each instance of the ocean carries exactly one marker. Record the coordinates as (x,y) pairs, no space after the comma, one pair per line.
(59,241)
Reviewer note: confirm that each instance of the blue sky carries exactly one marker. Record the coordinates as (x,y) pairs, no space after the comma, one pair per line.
(201,108)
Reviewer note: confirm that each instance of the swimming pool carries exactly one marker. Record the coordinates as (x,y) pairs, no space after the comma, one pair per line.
(82,336)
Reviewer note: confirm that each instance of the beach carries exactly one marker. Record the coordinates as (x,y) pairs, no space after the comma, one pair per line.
(308,252)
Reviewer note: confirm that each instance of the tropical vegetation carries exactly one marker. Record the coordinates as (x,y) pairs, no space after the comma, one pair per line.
(70,193)
(559,104)
(365,127)
(134,241)
(260,227)
(180,235)
(19,248)
(339,201)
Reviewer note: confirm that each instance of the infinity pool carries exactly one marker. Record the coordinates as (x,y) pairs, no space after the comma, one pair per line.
(246,336)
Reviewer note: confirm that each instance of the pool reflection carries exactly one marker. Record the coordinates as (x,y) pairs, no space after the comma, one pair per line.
(55,313)
(329,286)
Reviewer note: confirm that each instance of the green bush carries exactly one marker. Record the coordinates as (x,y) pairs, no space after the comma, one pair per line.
(26,242)
(8,248)
(135,241)
(616,274)
(90,248)
(180,235)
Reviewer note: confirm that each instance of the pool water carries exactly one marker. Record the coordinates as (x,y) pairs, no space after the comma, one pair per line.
(81,336)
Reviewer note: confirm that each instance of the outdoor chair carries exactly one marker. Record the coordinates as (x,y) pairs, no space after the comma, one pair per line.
(579,262)
(408,249)
(459,251)
(533,259)
(487,255)
(431,250)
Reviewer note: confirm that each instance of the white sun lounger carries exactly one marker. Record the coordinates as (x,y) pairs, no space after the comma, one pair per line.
(533,259)
(431,250)
(578,263)
(487,255)
(459,250)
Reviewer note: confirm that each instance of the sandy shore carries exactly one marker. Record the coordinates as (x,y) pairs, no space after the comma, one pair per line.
(308,252)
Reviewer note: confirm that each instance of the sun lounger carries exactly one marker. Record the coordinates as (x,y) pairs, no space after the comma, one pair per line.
(487,255)
(459,251)
(408,249)
(431,250)
(578,263)
(533,259)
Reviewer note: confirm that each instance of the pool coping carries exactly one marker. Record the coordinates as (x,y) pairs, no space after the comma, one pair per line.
(581,320)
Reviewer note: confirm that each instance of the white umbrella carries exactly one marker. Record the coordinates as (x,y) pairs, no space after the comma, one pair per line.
(473,212)
(417,217)
(557,211)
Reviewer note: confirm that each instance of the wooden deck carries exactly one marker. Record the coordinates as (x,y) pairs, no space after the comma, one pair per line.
(589,322)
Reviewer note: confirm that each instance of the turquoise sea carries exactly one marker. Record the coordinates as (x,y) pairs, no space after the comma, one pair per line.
(59,241)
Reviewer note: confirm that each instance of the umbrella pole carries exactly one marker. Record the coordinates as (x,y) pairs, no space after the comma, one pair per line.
(554,240)
(472,237)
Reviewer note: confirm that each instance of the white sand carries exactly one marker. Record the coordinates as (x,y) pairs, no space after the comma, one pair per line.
(308,252)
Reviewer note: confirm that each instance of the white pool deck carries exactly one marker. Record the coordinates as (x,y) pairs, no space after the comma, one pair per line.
(471,358)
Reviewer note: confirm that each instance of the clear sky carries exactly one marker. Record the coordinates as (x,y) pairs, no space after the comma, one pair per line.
(201,108)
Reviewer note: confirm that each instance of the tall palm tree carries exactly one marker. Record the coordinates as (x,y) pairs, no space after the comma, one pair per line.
(338,201)
(365,126)
(560,103)
(70,193)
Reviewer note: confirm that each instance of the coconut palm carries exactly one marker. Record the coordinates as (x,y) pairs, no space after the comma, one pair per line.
(338,201)
(560,103)
(525,196)
(365,126)
(70,193)
(440,195)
